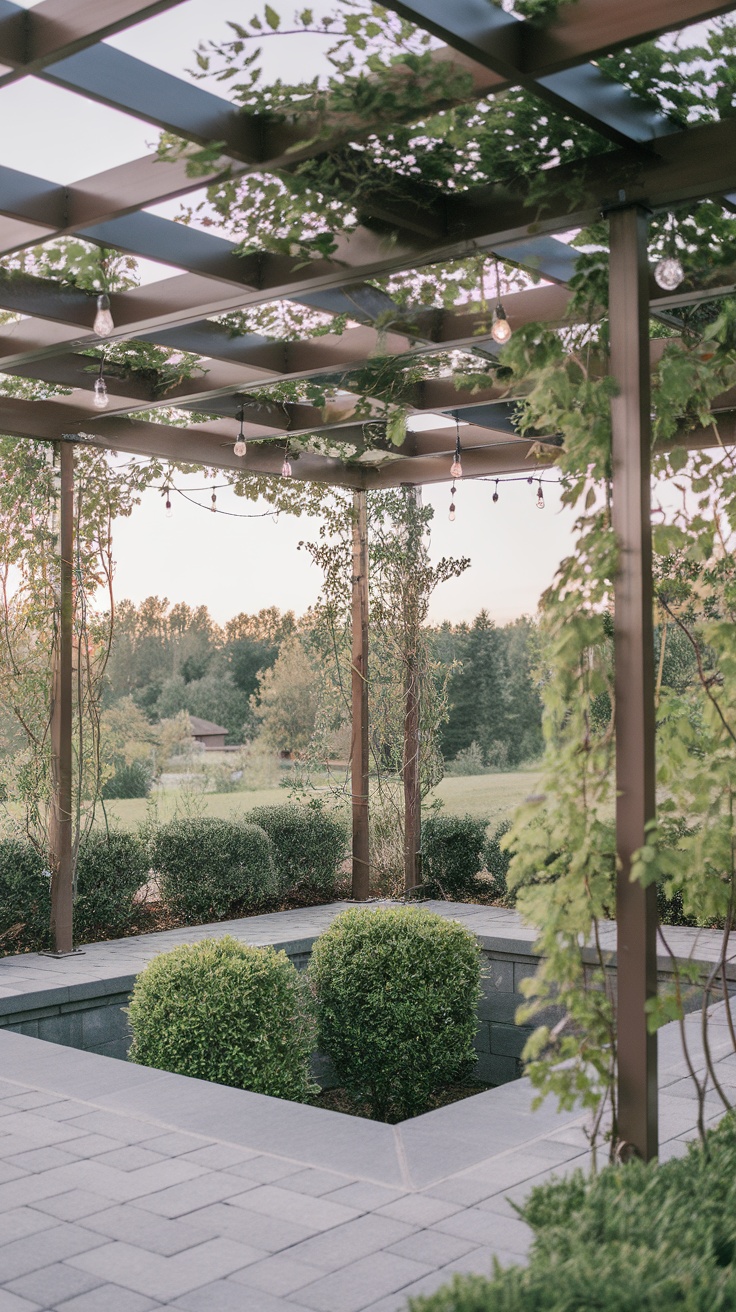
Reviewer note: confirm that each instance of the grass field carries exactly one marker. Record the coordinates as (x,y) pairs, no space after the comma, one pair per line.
(491,795)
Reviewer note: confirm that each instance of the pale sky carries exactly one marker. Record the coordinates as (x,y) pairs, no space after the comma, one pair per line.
(234,565)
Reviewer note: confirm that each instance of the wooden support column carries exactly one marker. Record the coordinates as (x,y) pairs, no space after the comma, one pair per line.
(636,907)
(412,795)
(60,835)
(359,746)
(412,709)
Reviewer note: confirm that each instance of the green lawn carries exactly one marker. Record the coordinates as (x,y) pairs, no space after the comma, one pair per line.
(492,795)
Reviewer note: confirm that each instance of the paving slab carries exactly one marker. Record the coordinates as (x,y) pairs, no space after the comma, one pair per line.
(124,1189)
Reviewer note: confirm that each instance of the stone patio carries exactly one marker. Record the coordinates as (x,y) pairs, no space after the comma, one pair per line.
(124,1189)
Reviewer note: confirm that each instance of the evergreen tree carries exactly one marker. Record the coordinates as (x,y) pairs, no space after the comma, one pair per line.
(477,692)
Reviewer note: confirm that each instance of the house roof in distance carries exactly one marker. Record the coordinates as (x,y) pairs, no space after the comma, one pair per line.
(203,728)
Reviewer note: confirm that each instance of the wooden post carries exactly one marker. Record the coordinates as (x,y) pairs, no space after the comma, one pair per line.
(412,795)
(60,828)
(411,776)
(359,747)
(636,907)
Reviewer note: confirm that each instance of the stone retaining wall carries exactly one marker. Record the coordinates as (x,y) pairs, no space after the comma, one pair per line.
(80,1001)
(98,1023)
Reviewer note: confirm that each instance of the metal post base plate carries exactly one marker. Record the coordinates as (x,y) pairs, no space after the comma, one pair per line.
(49,952)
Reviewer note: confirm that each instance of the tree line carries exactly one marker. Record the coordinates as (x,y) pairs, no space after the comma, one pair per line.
(260,677)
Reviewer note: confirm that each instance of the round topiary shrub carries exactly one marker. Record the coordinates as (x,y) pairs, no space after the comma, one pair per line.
(211,868)
(309,843)
(397,991)
(452,854)
(223,1011)
(111,867)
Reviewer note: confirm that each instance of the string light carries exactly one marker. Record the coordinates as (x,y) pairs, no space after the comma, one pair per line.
(500,328)
(232,514)
(540,496)
(240,448)
(453,490)
(286,467)
(669,273)
(495,494)
(100,398)
(104,323)
(213,507)
(456,468)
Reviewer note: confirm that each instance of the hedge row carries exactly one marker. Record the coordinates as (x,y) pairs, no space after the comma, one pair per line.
(208,869)
(639,1238)
(390,996)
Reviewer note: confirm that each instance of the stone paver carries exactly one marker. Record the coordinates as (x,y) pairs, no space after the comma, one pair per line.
(127,1190)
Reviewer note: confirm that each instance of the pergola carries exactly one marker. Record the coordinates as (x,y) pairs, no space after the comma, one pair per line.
(654,164)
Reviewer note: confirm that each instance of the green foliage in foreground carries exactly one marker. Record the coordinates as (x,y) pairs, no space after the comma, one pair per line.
(223,1011)
(213,868)
(309,844)
(633,1239)
(397,991)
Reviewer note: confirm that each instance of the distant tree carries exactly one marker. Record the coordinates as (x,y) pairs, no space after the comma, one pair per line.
(523,702)
(214,697)
(477,691)
(288,699)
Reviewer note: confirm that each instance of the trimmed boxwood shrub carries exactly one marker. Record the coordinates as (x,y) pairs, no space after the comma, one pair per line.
(111,867)
(639,1238)
(25,897)
(309,843)
(223,1011)
(497,861)
(452,854)
(397,991)
(212,868)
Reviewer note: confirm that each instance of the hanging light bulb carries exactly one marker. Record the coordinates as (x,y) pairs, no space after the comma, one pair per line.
(453,490)
(240,449)
(101,399)
(167,494)
(286,467)
(213,507)
(495,494)
(540,497)
(103,324)
(501,328)
(456,468)
(669,273)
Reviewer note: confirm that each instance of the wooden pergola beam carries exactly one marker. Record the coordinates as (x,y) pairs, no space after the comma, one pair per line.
(31,39)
